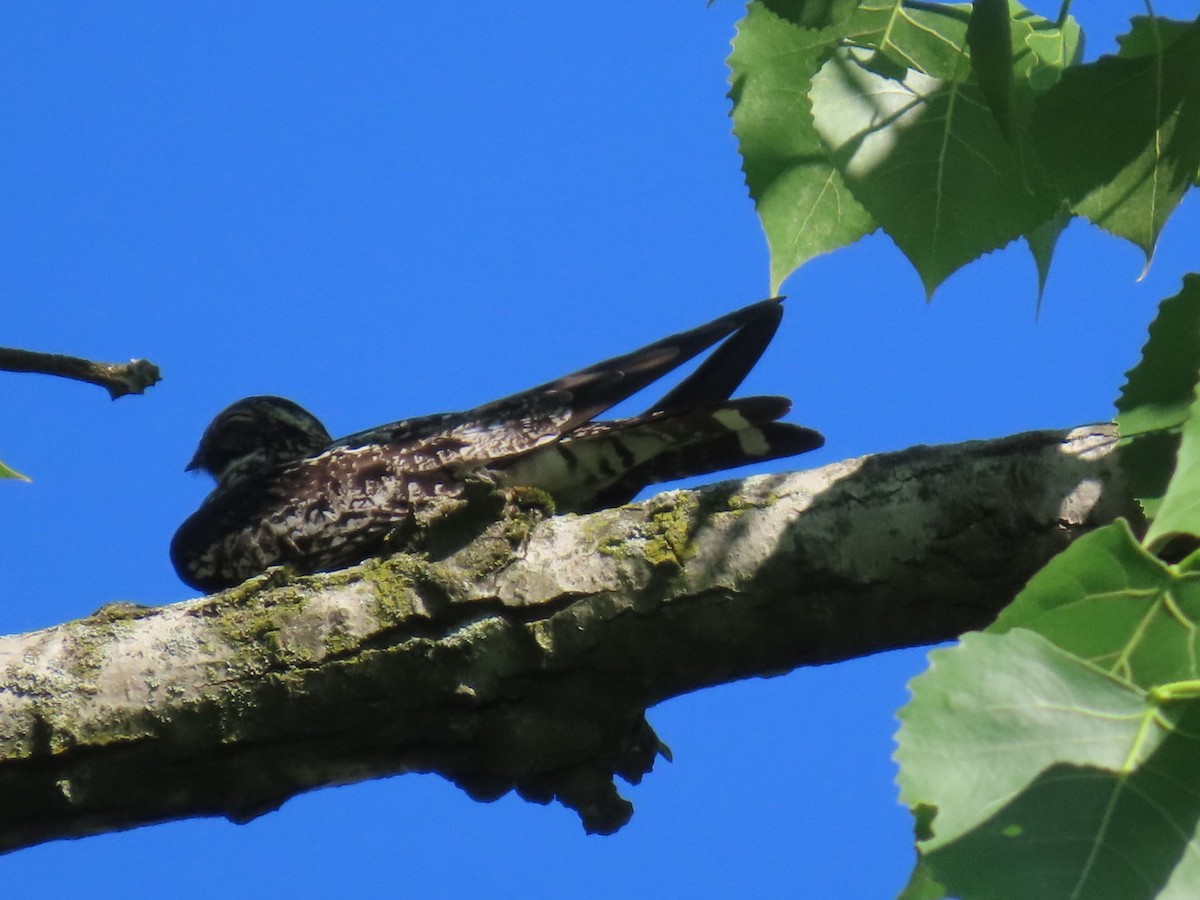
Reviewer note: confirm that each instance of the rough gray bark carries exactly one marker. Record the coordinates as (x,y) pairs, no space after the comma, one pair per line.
(526,658)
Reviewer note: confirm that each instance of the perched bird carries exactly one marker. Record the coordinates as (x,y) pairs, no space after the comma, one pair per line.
(288,494)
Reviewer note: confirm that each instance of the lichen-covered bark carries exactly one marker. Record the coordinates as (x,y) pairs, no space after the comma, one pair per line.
(525,658)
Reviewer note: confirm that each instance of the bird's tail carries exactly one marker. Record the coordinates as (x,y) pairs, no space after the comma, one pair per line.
(605,464)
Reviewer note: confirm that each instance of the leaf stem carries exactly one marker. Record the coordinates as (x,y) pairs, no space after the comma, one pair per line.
(1175,691)
(1063,12)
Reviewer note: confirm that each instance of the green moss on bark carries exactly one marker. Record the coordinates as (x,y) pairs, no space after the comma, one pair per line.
(669,537)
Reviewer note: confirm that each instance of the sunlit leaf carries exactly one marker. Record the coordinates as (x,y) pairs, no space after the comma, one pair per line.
(1109,601)
(927,160)
(897,77)
(1048,48)
(802,201)
(1049,777)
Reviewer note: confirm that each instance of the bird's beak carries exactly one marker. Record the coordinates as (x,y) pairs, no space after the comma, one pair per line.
(194,464)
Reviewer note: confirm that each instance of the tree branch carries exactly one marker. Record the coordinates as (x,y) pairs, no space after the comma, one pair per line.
(527,658)
(118,379)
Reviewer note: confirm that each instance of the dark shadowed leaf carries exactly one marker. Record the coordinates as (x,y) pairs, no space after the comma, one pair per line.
(1159,394)
(1121,136)
(929,38)
(812,13)
(1148,37)
(1179,513)
(990,39)
(1042,241)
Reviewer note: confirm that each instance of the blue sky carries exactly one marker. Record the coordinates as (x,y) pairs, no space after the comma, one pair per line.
(386,209)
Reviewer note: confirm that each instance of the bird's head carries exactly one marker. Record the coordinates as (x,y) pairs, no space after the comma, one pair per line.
(254,434)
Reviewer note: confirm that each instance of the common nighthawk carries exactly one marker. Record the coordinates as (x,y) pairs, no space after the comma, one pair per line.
(288,494)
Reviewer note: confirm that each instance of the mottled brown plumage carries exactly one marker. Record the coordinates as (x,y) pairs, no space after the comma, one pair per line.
(287,494)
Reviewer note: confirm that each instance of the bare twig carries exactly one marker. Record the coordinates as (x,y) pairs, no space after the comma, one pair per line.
(118,379)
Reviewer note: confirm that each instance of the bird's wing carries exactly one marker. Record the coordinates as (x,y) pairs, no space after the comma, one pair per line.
(521,422)
(726,368)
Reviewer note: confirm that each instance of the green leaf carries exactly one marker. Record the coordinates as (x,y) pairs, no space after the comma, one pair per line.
(1148,37)
(922,885)
(1050,777)
(6,472)
(812,13)
(927,160)
(1148,463)
(1043,48)
(802,201)
(1109,601)
(1179,513)
(933,39)
(1190,563)
(1121,136)
(1159,394)
(1042,241)
(990,39)
(796,170)
(1158,391)
(930,39)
